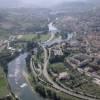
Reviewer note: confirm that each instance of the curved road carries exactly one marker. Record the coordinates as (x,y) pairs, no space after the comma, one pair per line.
(55,85)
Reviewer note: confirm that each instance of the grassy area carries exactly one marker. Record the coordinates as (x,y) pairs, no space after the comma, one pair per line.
(3,84)
(68,97)
(30,37)
(44,37)
(58,67)
(90,88)
(4,34)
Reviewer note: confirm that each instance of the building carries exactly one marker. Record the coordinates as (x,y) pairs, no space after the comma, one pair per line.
(63,75)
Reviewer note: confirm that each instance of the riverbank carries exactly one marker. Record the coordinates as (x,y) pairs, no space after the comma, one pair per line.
(8,97)
(4,91)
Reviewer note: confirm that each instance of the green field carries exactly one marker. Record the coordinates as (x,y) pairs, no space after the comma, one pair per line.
(3,85)
(30,37)
(58,67)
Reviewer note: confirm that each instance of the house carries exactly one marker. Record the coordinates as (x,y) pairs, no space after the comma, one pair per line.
(58,52)
(63,75)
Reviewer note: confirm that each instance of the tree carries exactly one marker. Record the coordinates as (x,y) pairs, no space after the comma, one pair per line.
(41,90)
(38,36)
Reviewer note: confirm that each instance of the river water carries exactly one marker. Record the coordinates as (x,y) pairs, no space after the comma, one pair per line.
(54,29)
(17,72)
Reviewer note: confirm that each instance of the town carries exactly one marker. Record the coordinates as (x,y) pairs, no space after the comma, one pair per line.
(50,54)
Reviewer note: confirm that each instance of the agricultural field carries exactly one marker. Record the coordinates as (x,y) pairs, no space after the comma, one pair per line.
(35,37)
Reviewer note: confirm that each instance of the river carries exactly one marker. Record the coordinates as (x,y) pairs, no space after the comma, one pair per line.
(17,72)
(54,29)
